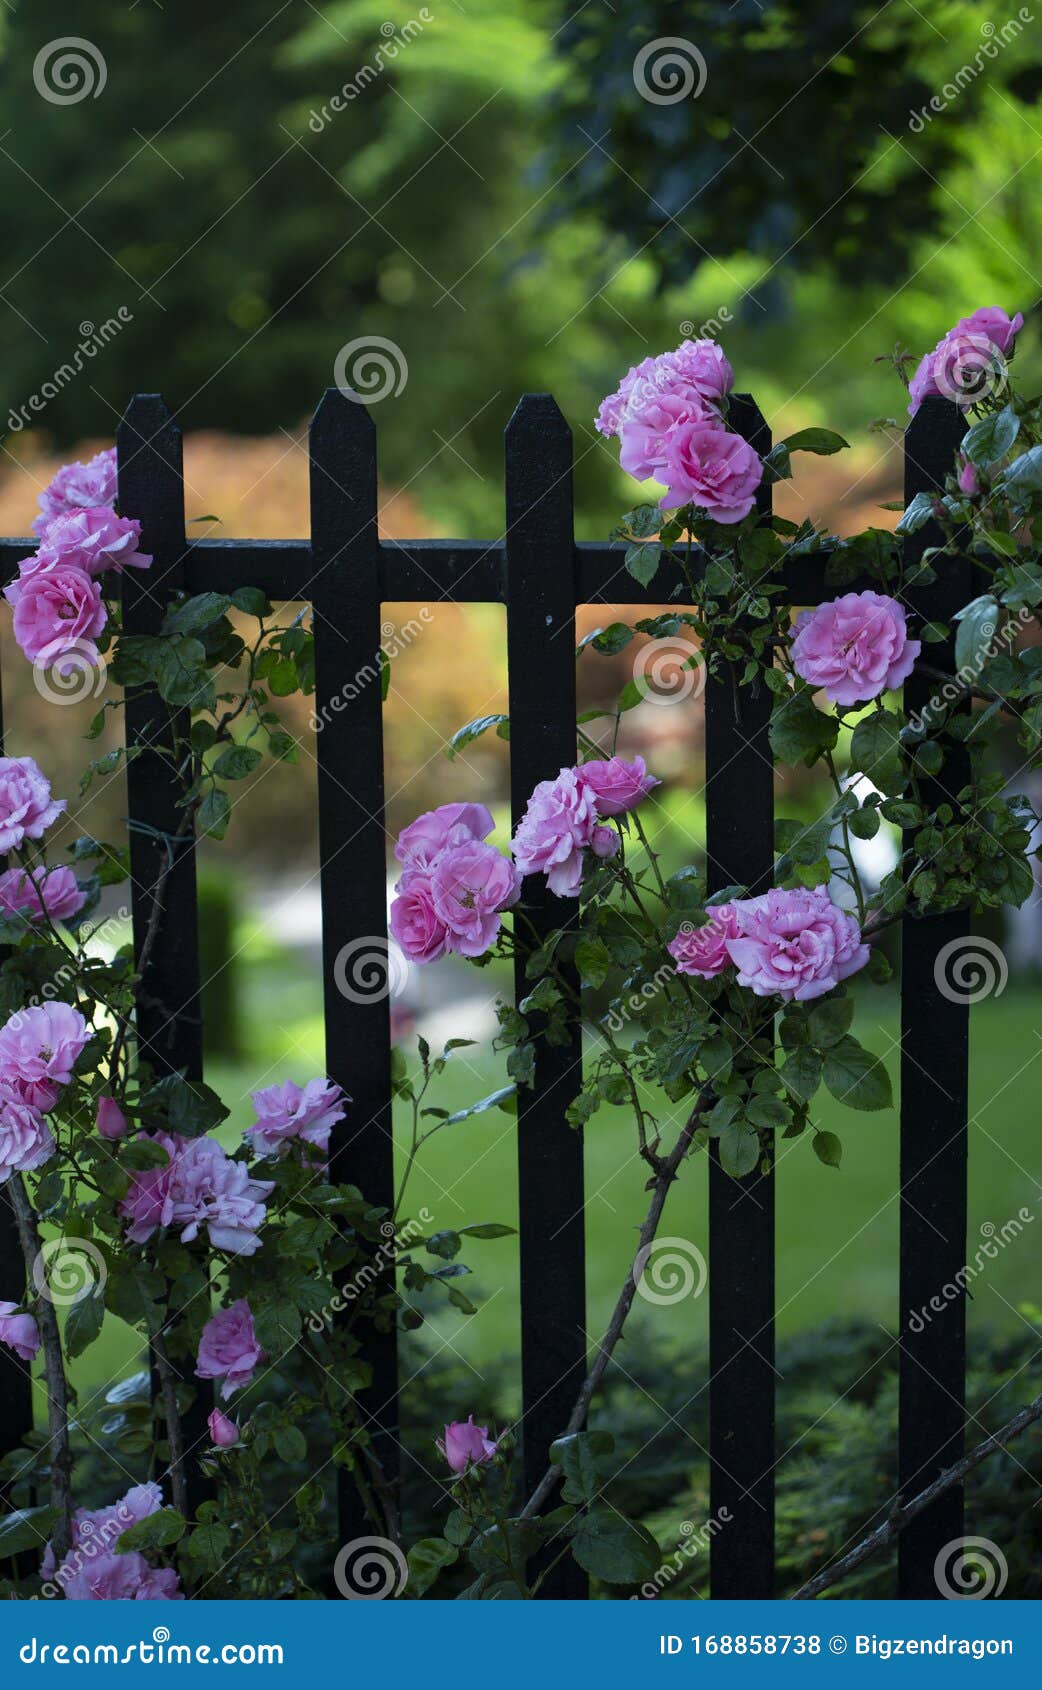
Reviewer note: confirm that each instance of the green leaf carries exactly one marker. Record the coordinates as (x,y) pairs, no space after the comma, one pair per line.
(252,602)
(236,762)
(856,1077)
(443,1244)
(1024,474)
(214,813)
(580,1458)
(800,730)
(494,1100)
(180,670)
(613,1549)
(802,1072)
(427,1558)
(593,960)
(290,1443)
(874,749)
(471,731)
(642,561)
(864,824)
(739,1149)
(195,613)
(918,514)
(829,1020)
(487,1229)
(975,638)
(25,1529)
(186,1107)
(828,1149)
(822,441)
(156,1531)
(83,1323)
(991,438)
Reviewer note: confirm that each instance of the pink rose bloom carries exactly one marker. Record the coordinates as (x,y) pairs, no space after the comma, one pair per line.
(696,373)
(39,1047)
(57,610)
(118,1578)
(26,807)
(100,1529)
(856,647)
(466,1445)
(617,785)
(229,1349)
(91,540)
(111,1121)
(470,887)
(287,1112)
(422,843)
(54,890)
(703,950)
(200,1186)
(26,1141)
(611,410)
(965,361)
(648,424)
(78,487)
(794,945)
(224,1432)
(415,924)
(18,1330)
(708,466)
(969,481)
(702,366)
(559,823)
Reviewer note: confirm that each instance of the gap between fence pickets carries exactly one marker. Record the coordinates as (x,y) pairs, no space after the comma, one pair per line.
(903,1513)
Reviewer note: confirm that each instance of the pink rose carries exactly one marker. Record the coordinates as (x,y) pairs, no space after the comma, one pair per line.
(18,1330)
(612,409)
(26,1141)
(697,374)
(26,807)
(200,1185)
(91,540)
(856,647)
(709,467)
(703,950)
(54,890)
(289,1112)
(39,1048)
(415,923)
(466,1445)
(616,784)
(97,1529)
(647,426)
(422,843)
(559,823)
(57,610)
(470,887)
(794,945)
(224,1432)
(111,1121)
(969,481)
(968,362)
(118,1578)
(78,487)
(229,1349)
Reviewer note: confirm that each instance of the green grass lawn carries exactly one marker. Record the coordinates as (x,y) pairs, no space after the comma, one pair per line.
(837,1229)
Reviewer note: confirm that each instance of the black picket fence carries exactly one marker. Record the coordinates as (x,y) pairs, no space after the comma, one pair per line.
(539,572)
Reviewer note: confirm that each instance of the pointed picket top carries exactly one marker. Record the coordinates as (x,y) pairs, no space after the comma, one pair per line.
(931,440)
(151,486)
(342,442)
(537,415)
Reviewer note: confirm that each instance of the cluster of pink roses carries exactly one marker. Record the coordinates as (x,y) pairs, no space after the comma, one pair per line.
(855,647)
(93,1569)
(795,945)
(667,413)
(200,1185)
(39,1048)
(968,362)
(455,886)
(58,607)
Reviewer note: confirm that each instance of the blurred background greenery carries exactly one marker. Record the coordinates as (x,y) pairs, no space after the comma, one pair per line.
(495,197)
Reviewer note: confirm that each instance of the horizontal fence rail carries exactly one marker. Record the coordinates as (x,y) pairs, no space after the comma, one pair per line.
(541,574)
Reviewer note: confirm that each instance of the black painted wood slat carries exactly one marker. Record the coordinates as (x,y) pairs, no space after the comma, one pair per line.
(345,592)
(934,1103)
(541,668)
(168,1024)
(740,851)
